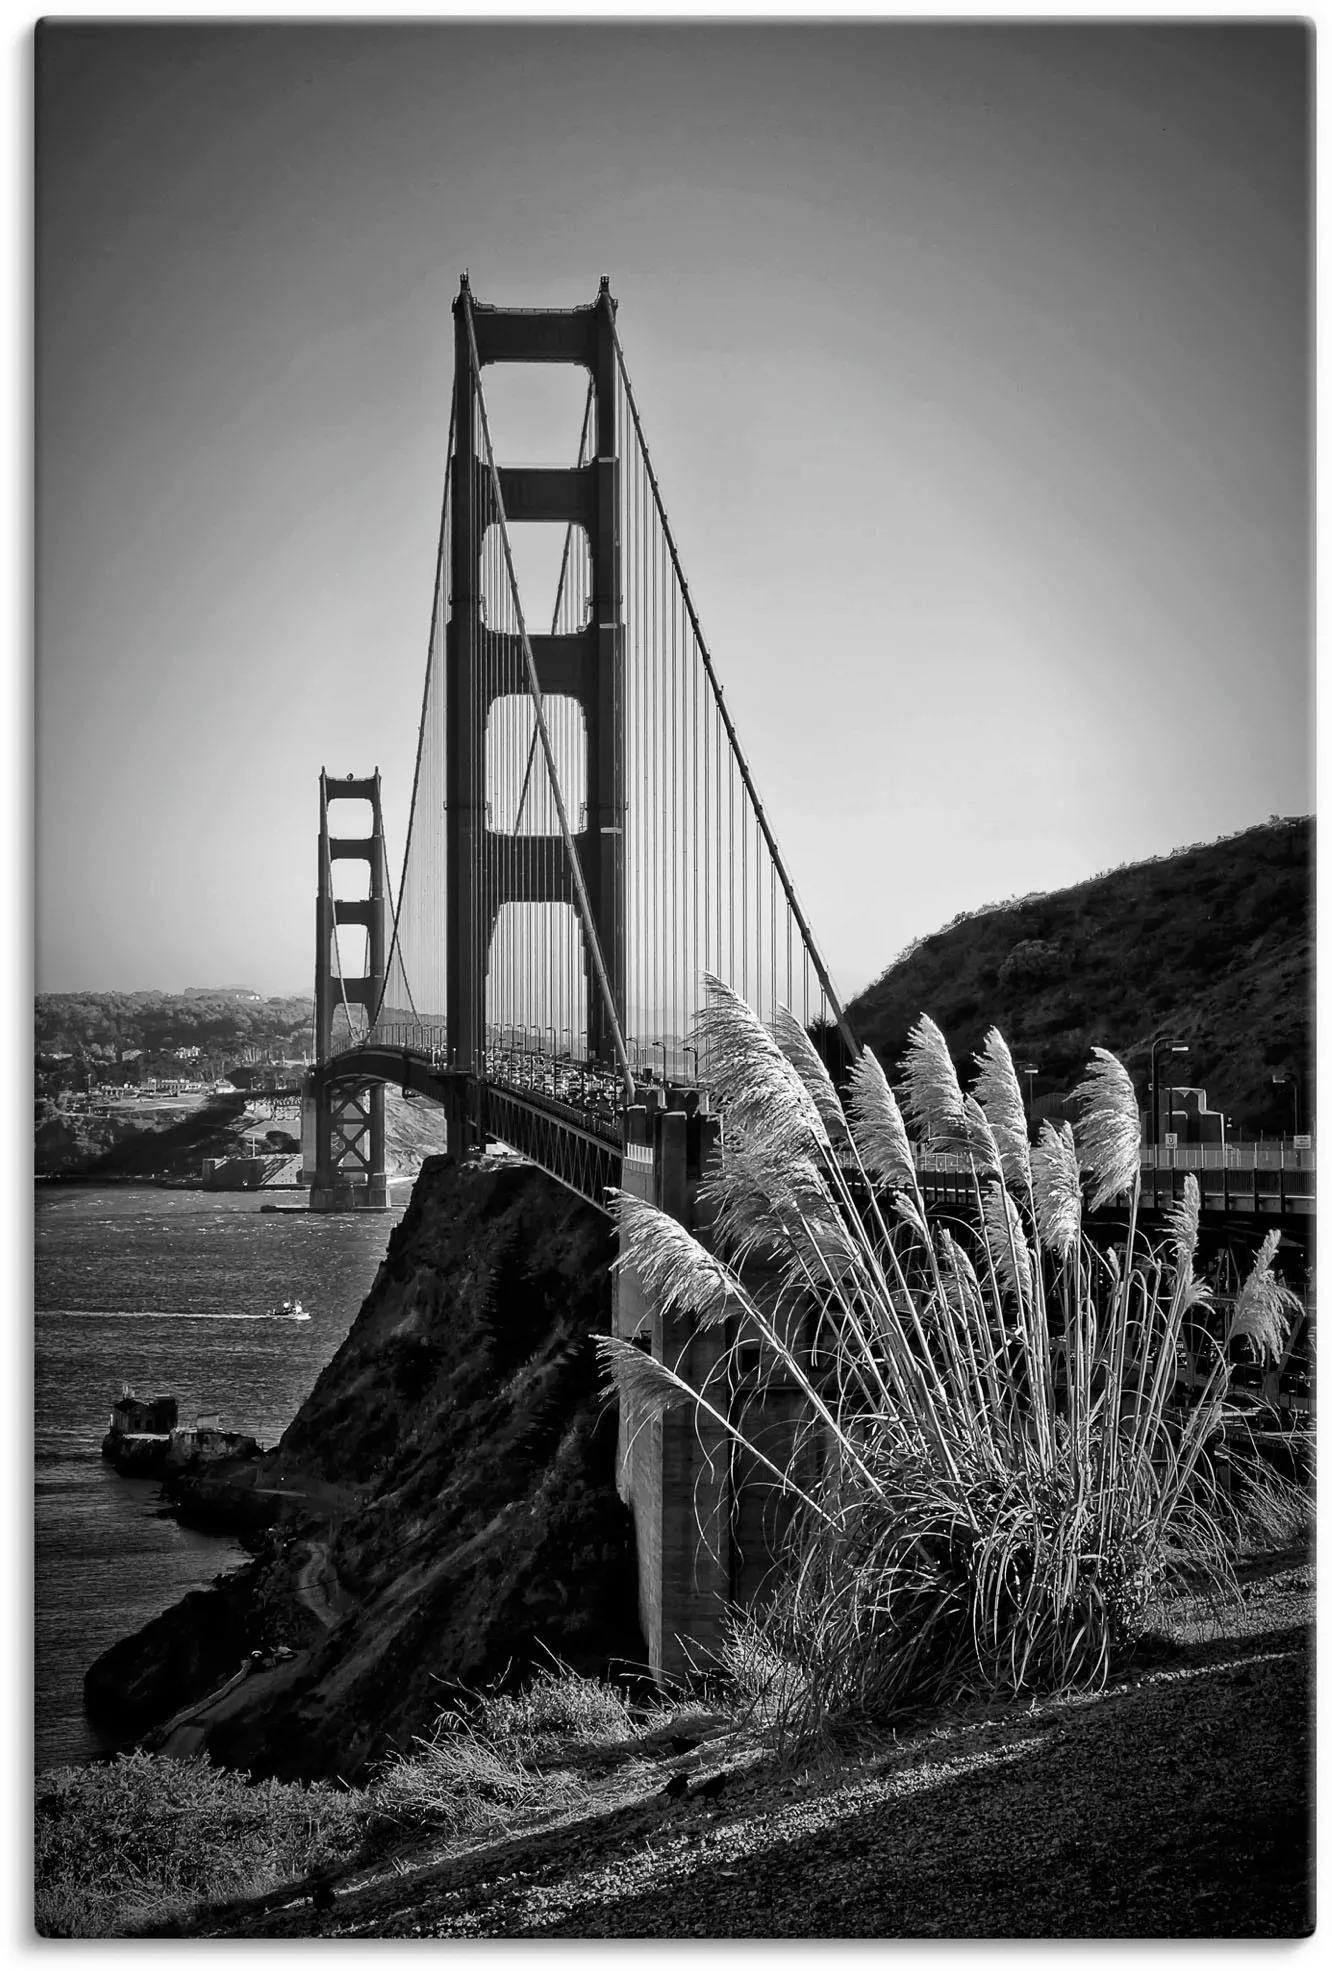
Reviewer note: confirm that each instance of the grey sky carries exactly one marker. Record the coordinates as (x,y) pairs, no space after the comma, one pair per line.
(974,361)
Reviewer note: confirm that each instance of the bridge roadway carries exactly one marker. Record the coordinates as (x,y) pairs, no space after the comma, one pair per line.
(564,1115)
(568,1116)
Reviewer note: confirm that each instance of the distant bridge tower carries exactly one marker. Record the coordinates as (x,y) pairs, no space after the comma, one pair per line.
(487,869)
(343,1125)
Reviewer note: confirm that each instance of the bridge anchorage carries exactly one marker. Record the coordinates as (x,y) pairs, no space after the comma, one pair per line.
(585,841)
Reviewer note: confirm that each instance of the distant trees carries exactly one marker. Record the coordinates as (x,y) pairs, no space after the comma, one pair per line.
(100,1027)
(1032,962)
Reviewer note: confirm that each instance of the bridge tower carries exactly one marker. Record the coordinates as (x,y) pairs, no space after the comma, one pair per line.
(347,1124)
(487,869)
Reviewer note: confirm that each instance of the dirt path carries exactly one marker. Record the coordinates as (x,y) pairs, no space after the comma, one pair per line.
(313,1586)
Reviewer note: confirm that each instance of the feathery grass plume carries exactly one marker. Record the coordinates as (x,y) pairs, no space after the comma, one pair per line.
(808,1063)
(763,1206)
(1263,1308)
(644,1385)
(906,1206)
(675,1270)
(933,1095)
(979,1141)
(1056,1186)
(752,1081)
(997,1091)
(1007,1243)
(1182,1223)
(967,1518)
(1108,1133)
(648,1388)
(876,1125)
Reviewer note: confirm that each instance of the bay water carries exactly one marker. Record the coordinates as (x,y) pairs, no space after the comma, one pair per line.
(170,1292)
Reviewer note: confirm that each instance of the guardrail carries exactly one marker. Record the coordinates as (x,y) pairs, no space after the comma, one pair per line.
(1229,1156)
(1189,1156)
(417,1037)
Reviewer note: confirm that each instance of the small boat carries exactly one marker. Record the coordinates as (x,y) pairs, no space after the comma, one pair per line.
(290,1310)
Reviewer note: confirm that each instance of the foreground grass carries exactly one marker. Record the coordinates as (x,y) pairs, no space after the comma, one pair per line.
(145,1839)
(1173,1802)
(148,1841)
(152,1844)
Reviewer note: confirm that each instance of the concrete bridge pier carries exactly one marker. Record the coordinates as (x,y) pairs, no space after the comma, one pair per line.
(673,1470)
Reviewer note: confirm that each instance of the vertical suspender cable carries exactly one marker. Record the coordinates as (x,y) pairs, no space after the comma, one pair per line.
(806,933)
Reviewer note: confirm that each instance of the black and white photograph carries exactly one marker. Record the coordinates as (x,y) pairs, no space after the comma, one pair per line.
(672,735)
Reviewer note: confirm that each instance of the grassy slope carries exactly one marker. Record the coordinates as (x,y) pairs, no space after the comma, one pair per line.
(1176,1803)
(1213,944)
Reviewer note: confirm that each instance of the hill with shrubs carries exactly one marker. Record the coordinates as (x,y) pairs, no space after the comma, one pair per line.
(1212,944)
(101,1026)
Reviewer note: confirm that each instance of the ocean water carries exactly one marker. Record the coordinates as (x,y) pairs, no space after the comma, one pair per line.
(168,1291)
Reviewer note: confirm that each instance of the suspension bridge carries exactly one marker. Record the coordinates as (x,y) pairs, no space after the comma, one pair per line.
(585,842)
(585,837)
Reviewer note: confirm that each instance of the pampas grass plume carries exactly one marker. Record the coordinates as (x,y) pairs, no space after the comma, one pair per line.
(1108,1133)
(933,1095)
(1056,1184)
(877,1126)
(996,1089)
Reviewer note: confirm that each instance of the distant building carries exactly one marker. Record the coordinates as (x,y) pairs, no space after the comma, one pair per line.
(1190,1119)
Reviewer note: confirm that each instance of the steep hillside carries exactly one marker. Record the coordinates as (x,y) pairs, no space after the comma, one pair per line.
(1213,944)
(441,1509)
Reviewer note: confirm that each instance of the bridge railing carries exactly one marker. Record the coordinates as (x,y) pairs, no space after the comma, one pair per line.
(415,1036)
(1188,1156)
(1228,1156)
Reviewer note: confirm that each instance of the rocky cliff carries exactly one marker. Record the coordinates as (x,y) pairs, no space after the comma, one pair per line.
(441,1511)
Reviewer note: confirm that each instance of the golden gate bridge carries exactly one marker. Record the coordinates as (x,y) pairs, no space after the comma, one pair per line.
(585,840)
(586,843)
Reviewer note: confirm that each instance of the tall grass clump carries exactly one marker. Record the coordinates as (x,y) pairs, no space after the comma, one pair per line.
(142,1839)
(501,1754)
(995,1472)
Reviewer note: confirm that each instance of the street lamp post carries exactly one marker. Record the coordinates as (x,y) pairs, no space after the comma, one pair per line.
(1030,1069)
(1164,1042)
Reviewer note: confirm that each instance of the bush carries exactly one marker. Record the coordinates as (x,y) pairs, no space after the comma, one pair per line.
(454,1781)
(1032,962)
(997,1469)
(483,1764)
(557,1704)
(143,1839)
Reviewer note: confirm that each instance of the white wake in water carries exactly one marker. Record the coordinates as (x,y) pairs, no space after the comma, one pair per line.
(153,1314)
